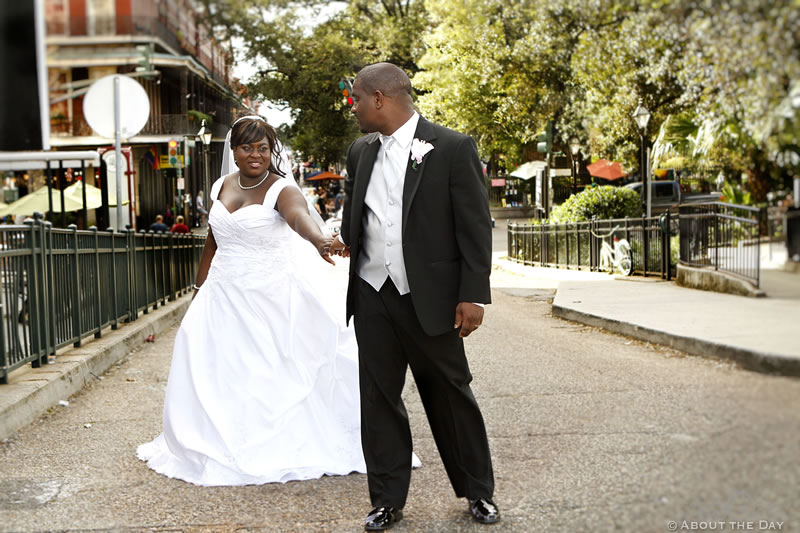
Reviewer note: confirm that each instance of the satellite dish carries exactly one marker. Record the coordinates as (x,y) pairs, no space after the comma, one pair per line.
(98,106)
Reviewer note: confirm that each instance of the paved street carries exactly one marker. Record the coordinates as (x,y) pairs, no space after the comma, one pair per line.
(590,432)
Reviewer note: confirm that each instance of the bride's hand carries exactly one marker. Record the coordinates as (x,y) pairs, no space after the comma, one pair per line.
(340,248)
(324,249)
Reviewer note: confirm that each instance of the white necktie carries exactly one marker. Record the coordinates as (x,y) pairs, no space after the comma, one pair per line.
(389,174)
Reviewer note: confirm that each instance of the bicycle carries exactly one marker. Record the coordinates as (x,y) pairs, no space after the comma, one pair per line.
(619,258)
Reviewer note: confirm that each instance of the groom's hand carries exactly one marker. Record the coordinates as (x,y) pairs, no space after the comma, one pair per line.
(468,317)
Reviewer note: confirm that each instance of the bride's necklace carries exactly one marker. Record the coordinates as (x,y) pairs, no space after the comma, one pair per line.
(248,187)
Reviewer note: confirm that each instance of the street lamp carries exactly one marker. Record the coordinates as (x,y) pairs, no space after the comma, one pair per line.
(642,116)
(574,147)
(205,136)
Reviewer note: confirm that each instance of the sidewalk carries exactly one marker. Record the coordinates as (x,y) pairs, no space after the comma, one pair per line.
(30,392)
(760,334)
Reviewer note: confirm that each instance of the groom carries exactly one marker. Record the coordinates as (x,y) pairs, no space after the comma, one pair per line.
(417,225)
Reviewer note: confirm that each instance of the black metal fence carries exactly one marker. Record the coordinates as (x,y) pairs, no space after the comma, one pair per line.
(579,245)
(59,285)
(723,236)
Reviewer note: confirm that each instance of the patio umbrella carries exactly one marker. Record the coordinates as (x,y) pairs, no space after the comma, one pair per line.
(608,170)
(324,176)
(73,201)
(528,170)
(94,196)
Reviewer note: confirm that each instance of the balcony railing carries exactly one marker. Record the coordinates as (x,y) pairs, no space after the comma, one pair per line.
(181,39)
(176,125)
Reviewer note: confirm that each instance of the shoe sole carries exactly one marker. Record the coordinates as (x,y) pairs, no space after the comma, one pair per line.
(485,520)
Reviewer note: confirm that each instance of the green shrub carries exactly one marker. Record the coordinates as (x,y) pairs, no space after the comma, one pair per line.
(734,194)
(603,202)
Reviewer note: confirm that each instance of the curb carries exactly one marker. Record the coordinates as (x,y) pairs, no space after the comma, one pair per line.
(35,391)
(765,363)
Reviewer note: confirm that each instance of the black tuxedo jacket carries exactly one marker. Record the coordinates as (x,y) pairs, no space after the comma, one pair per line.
(447,235)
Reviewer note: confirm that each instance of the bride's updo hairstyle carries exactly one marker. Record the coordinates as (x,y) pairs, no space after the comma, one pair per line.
(249,131)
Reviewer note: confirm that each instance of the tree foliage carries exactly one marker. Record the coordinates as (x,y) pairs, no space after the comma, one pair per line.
(500,70)
(301,67)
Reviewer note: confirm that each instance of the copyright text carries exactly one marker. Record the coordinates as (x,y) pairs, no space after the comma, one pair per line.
(724,525)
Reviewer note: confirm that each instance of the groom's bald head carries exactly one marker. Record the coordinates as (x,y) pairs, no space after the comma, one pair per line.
(387,78)
(382,98)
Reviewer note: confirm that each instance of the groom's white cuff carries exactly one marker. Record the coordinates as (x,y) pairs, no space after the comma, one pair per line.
(339,237)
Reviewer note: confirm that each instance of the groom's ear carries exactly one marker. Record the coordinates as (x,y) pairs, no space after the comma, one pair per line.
(379,98)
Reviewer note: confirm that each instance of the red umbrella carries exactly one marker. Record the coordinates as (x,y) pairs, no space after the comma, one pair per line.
(608,170)
(325,176)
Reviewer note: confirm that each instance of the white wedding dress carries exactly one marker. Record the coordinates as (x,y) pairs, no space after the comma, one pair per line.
(264,379)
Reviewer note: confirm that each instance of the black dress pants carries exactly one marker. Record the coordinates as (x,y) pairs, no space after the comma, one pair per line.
(390,339)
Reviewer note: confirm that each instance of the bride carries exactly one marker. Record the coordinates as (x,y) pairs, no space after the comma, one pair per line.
(264,379)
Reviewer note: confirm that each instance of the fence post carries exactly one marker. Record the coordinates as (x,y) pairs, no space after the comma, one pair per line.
(511,254)
(763,222)
(130,257)
(591,245)
(76,288)
(145,272)
(668,245)
(49,287)
(33,301)
(164,247)
(30,295)
(646,250)
(715,219)
(173,295)
(555,241)
(3,356)
(542,244)
(155,270)
(115,296)
(98,300)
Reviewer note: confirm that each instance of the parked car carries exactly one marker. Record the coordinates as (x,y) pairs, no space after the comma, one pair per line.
(663,193)
(667,195)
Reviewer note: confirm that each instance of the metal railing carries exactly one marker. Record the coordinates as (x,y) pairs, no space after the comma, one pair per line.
(60,285)
(724,236)
(578,245)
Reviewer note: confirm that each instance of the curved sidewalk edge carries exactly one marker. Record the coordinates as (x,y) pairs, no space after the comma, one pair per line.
(767,363)
(759,334)
(32,391)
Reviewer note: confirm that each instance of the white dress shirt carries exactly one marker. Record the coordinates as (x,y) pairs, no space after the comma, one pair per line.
(382,251)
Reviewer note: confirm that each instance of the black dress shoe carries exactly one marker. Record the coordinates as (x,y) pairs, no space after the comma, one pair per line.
(484,511)
(382,518)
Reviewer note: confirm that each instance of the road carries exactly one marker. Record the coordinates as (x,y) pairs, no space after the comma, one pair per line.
(589,431)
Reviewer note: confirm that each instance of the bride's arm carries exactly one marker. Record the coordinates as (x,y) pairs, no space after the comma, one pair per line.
(294,209)
(209,250)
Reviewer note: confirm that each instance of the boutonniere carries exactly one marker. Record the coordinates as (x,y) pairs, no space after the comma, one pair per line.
(418,150)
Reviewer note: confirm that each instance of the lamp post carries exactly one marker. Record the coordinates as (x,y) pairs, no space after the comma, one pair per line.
(205,136)
(642,116)
(574,147)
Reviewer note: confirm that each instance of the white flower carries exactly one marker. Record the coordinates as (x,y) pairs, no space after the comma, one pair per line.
(418,150)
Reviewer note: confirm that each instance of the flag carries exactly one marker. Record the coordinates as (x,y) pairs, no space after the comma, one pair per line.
(152,157)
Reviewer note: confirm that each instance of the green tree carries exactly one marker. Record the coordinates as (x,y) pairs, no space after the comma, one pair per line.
(302,67)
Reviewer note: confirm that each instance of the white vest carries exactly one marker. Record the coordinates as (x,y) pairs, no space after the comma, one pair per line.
(382,246)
